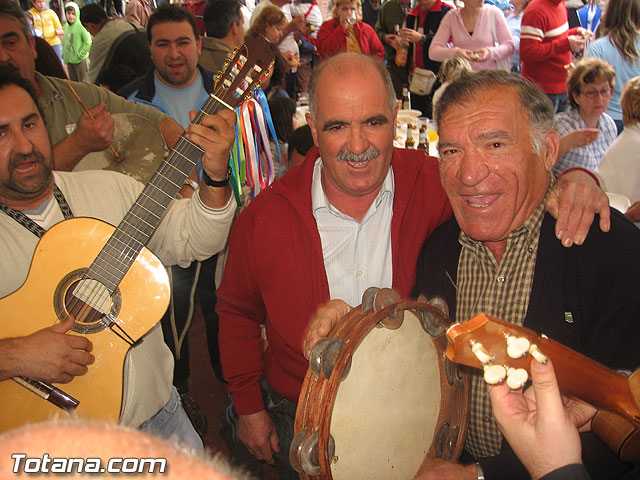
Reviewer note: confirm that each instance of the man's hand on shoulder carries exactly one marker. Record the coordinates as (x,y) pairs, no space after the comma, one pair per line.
(322,322)
(49,355)
(574,201)
(258,433)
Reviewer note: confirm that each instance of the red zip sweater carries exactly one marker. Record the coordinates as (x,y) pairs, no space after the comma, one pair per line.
(332,39)
(275,272)
(544,46)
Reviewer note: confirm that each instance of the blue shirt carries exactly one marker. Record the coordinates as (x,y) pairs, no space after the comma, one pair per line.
(625,71)
(590,155)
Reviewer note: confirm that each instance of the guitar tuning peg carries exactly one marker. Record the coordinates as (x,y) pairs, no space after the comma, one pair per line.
(494,374)
(517,347)
(537,353)
(480,352)
(516,378)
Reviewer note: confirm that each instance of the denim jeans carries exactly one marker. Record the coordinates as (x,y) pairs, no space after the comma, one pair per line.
(172,423)
(559,101)
(283,414)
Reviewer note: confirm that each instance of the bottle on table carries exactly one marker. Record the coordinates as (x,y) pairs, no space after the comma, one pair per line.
(423,143)
(410,142)
(406,100)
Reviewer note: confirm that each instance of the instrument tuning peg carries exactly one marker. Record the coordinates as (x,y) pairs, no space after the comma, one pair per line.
(517,347)
(481,353)
(494,374)
(536,353)
(516,378)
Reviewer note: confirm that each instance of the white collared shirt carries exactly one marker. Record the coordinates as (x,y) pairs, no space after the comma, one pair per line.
(357,255)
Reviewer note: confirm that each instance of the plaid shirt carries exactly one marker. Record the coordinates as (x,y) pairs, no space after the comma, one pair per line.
(589,156)
(502,290)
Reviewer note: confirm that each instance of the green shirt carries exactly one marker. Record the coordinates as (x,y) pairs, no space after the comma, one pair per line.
(61,110)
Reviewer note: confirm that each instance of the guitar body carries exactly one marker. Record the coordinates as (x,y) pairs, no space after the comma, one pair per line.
(63,253)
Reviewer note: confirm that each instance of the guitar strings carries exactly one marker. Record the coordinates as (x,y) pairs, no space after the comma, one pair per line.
(161,180)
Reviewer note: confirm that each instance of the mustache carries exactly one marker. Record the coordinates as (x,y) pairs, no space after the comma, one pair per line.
(18,158)
(370,153)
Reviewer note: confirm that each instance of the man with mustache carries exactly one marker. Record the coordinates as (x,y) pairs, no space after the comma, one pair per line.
(353,215)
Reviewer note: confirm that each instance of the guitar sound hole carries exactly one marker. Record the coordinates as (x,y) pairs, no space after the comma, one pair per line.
(88,301)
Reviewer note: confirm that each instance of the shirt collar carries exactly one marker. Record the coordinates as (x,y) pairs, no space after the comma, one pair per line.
(320,201)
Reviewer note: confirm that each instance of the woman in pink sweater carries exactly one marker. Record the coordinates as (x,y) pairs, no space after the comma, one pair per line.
(479,34)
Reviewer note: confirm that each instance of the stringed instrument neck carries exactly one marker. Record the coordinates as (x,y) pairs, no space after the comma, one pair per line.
(504,351)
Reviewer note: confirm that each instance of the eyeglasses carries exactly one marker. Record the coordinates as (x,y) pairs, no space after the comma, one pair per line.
(604,93)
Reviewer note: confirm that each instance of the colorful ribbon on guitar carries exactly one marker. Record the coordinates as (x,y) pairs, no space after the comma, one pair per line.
(251,160)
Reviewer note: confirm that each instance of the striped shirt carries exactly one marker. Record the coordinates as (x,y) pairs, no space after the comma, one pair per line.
(498,289)
(357,255)
(589,156)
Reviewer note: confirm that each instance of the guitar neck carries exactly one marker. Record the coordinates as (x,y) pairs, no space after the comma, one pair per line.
(241,74)
(584,378)
(142,219)
(578,375)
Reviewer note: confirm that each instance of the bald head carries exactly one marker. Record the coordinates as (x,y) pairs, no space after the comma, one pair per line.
(105,442)
(349,67)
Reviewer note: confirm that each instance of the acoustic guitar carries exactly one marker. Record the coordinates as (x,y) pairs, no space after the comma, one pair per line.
(504,351)
(116,289)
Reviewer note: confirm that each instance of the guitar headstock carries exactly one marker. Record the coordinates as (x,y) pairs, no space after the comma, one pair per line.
(244,71)
(488,341)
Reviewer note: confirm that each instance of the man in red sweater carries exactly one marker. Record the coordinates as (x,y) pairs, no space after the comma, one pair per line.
(546,43)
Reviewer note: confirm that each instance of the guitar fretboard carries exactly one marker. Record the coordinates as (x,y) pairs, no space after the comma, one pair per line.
(116,257)
(135,229)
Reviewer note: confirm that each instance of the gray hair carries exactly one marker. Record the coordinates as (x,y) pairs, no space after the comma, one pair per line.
(533,100)
(10,8)
(339,63)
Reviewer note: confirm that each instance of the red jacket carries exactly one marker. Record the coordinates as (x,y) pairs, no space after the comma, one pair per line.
(332,39)
(544,46)
(275,272)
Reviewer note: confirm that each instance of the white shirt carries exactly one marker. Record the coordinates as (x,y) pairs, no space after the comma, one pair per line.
(190,230)
(349,246)
(288,43)
(620,166)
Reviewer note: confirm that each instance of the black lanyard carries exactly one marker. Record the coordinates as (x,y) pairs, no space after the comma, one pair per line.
(29,224)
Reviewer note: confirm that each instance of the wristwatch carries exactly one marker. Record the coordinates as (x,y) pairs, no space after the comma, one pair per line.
(216,183)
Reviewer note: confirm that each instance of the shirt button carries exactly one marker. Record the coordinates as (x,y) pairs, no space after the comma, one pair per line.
(486,419)
(359,273)
(500,278)
(530,249)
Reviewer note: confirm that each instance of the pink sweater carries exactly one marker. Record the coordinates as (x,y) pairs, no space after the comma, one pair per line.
(452,28)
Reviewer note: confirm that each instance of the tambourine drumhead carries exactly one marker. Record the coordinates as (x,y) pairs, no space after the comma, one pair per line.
(378,402)
(139,143)
(386,410)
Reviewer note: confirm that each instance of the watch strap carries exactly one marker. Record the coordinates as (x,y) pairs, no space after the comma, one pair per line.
(216,183)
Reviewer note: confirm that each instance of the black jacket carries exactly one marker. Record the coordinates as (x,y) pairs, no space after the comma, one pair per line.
(597,282)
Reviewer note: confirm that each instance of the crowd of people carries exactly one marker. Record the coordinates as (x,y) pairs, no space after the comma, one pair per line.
(536,120)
